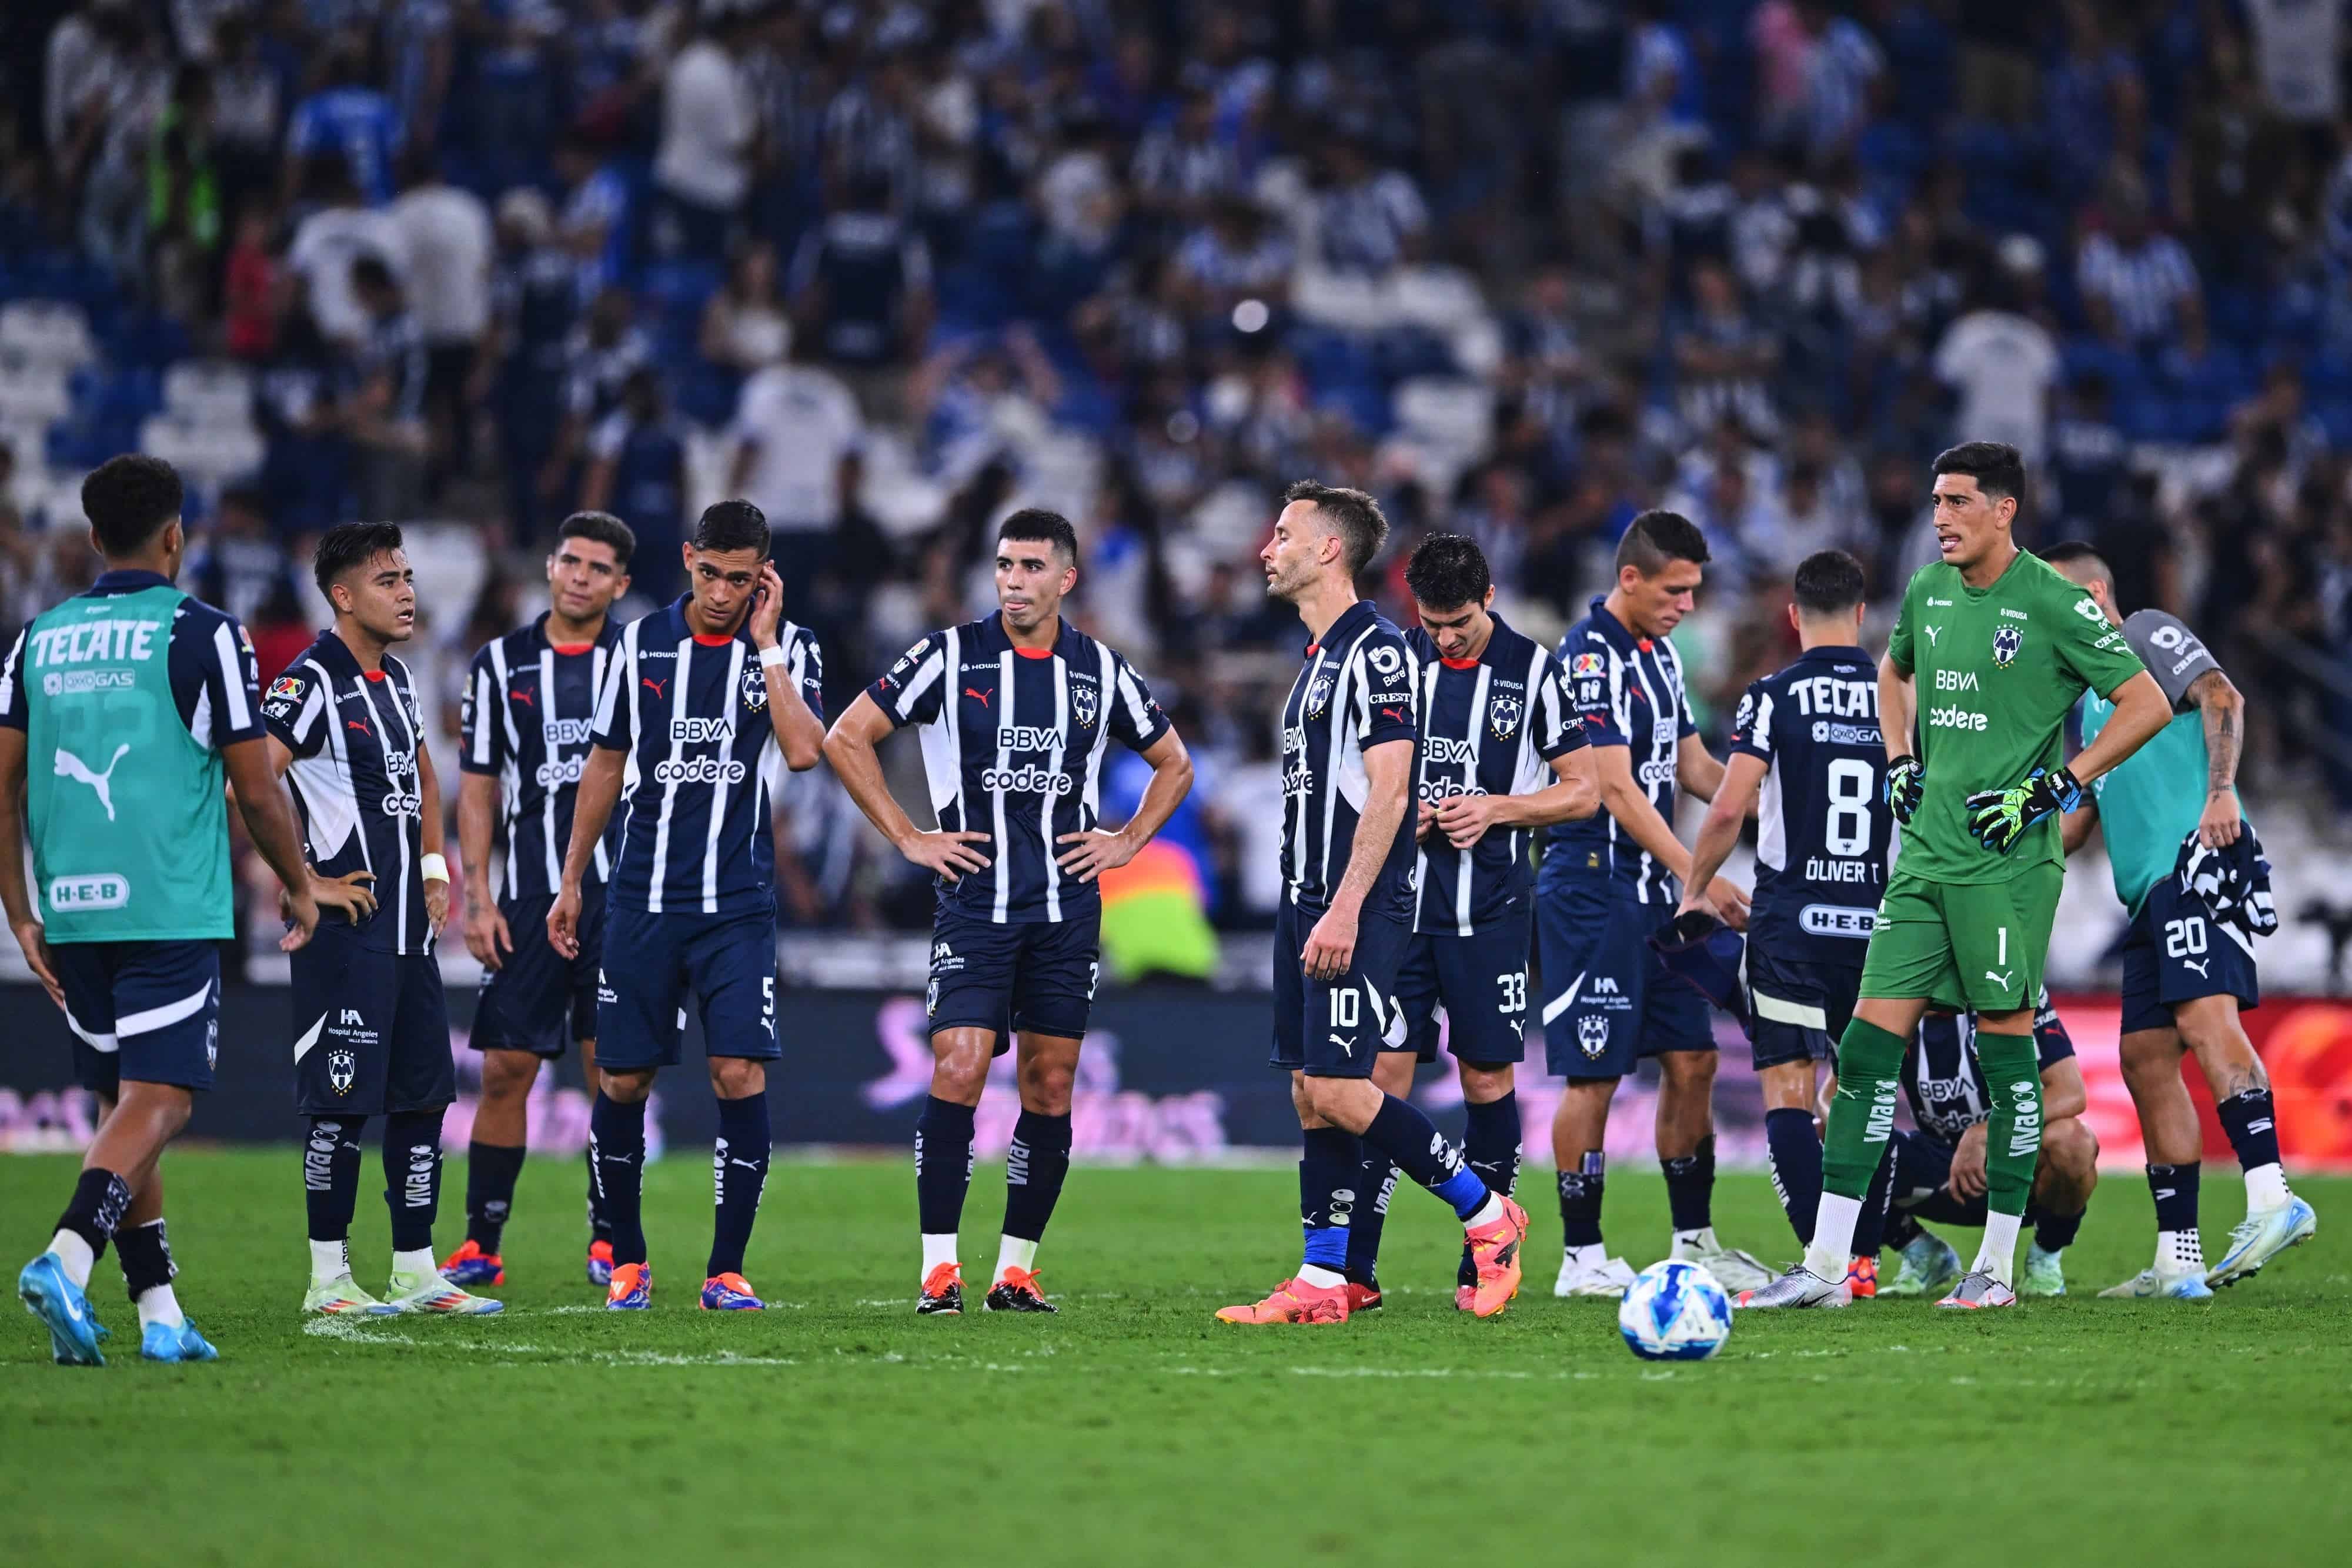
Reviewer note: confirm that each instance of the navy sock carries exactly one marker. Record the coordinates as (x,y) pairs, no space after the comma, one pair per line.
(145,1254)
(1796,1152)
(2253,1126)
(101,1198)
(1409,1138)
(1877,1202)
(490,1173)
(1375,1185)
(2054,1232)
(1580,1200)
(331,1175)
(2174,1188)
(1490,1142)
(616,1152)
(739,1175)
(1036,1164)
(942,1165)
(1901,1230)
(599,1227)
(1690,1187)
(1327,1194)
(412,1176)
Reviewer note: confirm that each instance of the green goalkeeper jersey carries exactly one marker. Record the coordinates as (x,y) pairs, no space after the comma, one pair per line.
(1997,669)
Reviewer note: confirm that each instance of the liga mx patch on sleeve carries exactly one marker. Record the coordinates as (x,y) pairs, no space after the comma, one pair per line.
(285,695)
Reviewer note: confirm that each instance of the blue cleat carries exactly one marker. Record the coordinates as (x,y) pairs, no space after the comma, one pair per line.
(470,1265)
(631,1290)
(181,1342)
(63,1310)
(730,1293)
(2262,1235)
(600,1263)
(2156,1284)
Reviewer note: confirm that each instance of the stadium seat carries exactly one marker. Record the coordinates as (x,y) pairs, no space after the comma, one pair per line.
(32,392)
(1452,414)
(209,393)
(210,453)
(50,332)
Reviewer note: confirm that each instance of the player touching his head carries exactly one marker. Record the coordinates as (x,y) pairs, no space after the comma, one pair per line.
(2188,970)
(1340,933)
(1501,755)
(530,700)
(2000,646)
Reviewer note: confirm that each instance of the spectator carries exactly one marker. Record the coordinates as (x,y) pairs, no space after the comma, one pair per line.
(249,283)
(1724,355)
(862,295)
(238,567)
(184,217)
(636,469)
(709,124)
(1370,219)
(744,328)
(330,243)
(305,471)
(792,427)
(2138,286)
(534,299)
(594,218)
(2299,57)
(2088,456)
(2235,165)
(385,410)
(444,244)
(347,120)
(599,356)
(1181,166)
(1845,75)
(1237,255)
(246,107)
(2002,365)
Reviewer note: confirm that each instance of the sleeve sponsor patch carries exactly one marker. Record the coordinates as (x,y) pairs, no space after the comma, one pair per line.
(1586,664)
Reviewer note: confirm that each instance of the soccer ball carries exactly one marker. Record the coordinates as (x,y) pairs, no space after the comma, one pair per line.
(1674,1312)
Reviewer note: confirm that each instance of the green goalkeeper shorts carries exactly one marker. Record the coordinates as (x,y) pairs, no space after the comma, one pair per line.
(1976,945)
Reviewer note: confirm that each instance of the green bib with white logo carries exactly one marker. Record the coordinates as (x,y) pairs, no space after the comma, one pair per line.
(129,823)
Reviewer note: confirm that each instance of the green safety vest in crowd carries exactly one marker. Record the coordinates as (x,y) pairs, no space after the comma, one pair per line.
(128,823)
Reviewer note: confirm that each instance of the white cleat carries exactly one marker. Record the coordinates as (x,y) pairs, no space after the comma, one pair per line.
(1799,1287)
(2262,1236)
(2151,1284)
(341,1297)
(1978,1290)
(429,1292)
(1733,1269)
(1607,1277)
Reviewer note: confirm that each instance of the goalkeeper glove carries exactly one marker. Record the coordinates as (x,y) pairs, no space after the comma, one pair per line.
(1999,818)
(1905,780)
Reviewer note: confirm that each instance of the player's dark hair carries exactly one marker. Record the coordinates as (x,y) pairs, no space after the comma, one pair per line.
(1030,524)
(1995,466)
(606,529)
(732,525)
(1354,516)
(349,545)
(1655,538)
(2078,553)
(1829,582)
(1448,572)
(128,500)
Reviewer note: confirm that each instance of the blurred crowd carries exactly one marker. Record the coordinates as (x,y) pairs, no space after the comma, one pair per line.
(1520,267)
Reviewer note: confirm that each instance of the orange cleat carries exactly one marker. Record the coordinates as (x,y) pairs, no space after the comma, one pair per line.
(1017,1290)
(1466,1298)
(1495,1249)
(942,1295)
(631,1290)
(470,1265)
(1362,1298)
(599,1262)
(1293,1301)
(1862,1278)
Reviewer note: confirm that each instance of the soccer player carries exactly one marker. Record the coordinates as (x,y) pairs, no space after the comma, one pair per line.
(1017,713)
(2186,974)
(702,700)
(530,700)
(1605,886)
(1940,1172)
(1340,933)
(1806,758)
(139,700)
(372,1023)
(2000,645)
(1501,755)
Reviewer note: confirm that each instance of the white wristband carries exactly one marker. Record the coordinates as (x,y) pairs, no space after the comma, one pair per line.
(435,869)
(773,656)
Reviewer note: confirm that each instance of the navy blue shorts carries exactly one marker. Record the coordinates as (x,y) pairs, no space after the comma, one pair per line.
(538,999)
(2177,952)
(1797,1011)
(651,961)
(148,1011)
(1038,977)
(1333,1028)
(1608,1000)
(1481,983)
(1923,1168)
(370,1028)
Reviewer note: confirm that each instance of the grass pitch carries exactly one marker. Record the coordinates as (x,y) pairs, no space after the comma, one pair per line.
(839,1427)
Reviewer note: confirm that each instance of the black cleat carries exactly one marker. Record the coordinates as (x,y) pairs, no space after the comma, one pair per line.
(943,1294)
(1018,1293)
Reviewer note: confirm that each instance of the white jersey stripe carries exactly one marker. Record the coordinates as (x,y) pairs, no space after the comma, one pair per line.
(416,749)
(1004,723)
(596,684)
(719,784)
(1470,737)
(1046,798)
(232,677)
(670,787)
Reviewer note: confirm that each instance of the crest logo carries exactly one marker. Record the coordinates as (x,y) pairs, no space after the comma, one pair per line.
(1318,697)
(1503,717)
(755,687)
(1592,1034)
(1086,703)
(2005,644)
(342,1068)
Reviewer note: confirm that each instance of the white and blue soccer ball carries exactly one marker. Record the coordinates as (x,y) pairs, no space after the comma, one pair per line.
(1674,1311)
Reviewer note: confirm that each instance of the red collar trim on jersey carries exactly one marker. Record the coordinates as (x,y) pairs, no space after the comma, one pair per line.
(1313,649)
(1644,645)
(571,650)
(705,640)
(1035,652)
(372,674)
(1458,663)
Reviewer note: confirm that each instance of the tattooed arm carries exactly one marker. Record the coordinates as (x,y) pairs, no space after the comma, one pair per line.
(2224,708)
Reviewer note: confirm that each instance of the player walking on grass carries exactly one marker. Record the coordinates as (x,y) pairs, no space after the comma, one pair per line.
(1605,886)
(371,1024)
(1501,755)
(137,701)
(1017,713)
(701,701)
(1342,931)
(530,700)
(2000,646)
(1806,759)
(2188,970)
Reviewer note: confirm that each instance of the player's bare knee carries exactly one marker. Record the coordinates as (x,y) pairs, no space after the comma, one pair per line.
(1788,1086)
(1392,1073)
(1046,1085)
(1686,1073)
(2069,1166)
(508,1075)
(738,1077)
(1485,1086)
(1302,1100)
(626,1088)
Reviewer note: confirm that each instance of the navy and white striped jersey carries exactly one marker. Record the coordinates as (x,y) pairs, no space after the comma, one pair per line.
(1822,825)
(1355,690)
(529,710)
(355,735)
(1014,740)
(1626,690)
(1490,726)
(1944,1083)
(691,712)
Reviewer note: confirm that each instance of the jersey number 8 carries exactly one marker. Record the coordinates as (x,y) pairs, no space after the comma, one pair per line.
(1853,785)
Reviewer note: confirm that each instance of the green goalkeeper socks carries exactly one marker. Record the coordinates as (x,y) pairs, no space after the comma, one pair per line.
(1862,1115)
(2013,1130)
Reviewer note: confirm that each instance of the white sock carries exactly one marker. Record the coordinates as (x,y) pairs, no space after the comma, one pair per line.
(937,1249)
(1591,1257)
(2179,1252)
(1998,1255)
(1011,1252)
(1702,1240)
(2267,1187)
(1488,1212)
(1832,1252)
(329,1260)
(1322,1278)
(419,1261)
(157,1305)
(76,1255)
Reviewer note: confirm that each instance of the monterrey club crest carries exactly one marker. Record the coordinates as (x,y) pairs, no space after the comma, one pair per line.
(755,687)
(1086,702)
(1503,717)
(2005,644)
(1592,1034)
(1318,695)
(343,1067)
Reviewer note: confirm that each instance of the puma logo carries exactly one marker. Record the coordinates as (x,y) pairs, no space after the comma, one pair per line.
(653,686)
(1393,713)
(1933,632)
(979,697)
(68,765)
(2199,964)
(528,697)
(1345,1044)
(360,725)
(2000,980)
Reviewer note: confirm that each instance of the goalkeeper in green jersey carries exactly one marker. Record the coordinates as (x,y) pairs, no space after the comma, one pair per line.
(1998,646)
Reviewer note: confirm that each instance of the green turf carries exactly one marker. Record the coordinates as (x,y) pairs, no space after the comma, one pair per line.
(1132,1428)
